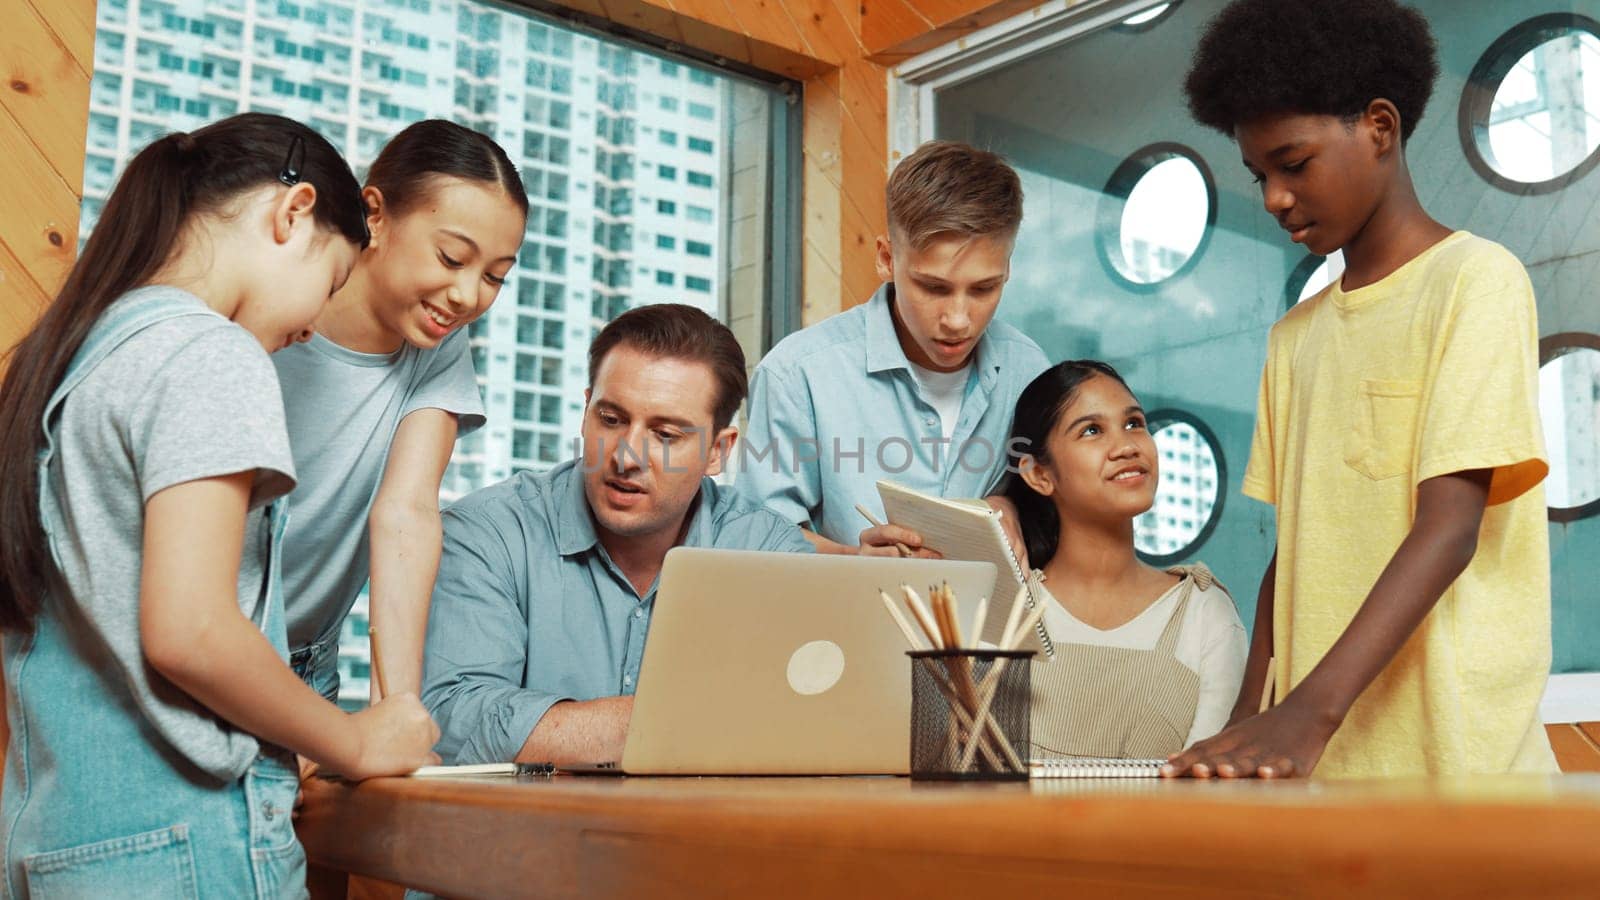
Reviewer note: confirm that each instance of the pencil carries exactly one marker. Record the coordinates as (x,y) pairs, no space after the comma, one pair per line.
(1270,685)
(978,620)
(963,718)
(904,550)
(900,621)
(1027,625)
(919,611)
(1014,617)
(941,617)
(377,667)
(952,630)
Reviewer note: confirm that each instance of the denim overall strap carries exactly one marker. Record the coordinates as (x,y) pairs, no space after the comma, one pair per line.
(156,829)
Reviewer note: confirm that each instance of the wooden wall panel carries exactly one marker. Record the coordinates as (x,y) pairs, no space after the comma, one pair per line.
(893,30)
(72,21)
(40,223)
(1592,731)
(21,300)
(46,54)
(44,81)
(1575,751)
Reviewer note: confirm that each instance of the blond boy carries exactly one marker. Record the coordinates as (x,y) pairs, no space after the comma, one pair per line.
(917,384)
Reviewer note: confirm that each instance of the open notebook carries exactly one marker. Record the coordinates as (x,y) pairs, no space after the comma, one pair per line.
(970,530)
(1085,767)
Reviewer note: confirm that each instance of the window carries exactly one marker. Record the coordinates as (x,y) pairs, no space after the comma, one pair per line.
(1511,137)
(1569,410)
(1156,214)
(568,107)
(1187,503)
(694,283)
(700,145)
(697,248)
(522,444)
(522,409)
(527,368)
(1529,108)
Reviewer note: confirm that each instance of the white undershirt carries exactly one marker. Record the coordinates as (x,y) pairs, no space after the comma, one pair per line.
(1211,643)
(944,391)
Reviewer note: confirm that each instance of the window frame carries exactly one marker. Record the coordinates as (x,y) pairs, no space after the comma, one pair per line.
(782,244)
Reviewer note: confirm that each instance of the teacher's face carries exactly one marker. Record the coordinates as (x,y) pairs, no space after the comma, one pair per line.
(648,440)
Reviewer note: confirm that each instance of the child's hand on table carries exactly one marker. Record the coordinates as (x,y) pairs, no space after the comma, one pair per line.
(1286,741)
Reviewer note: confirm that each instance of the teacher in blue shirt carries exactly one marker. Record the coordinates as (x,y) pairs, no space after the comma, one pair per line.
(547,581)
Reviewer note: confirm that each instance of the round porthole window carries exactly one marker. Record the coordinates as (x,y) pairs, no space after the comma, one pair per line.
(1156,215)
(1530,113)
(1190,492)
(1145,20)
(1312,275)
(1569,407)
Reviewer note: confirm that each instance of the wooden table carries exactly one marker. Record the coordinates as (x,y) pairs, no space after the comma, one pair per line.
(596,837)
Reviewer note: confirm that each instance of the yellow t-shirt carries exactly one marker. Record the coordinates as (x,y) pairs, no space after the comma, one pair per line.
(1366,394)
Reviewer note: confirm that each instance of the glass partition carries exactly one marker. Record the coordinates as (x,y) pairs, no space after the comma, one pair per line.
(1145,242)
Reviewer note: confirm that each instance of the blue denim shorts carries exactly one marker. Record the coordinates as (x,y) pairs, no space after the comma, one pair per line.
(317,664)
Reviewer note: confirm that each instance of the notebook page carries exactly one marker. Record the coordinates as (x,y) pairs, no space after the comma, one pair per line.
(479,769)
(968,530)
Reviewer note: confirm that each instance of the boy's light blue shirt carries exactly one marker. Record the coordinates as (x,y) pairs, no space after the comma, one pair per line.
(529,609)
(834,408)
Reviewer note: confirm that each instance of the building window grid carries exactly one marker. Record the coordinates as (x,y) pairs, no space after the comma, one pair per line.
(363,92)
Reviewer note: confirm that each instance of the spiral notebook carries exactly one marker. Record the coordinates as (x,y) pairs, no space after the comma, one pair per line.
(970,530)
(1090,767)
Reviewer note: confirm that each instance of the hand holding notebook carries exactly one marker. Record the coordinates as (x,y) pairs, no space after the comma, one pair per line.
(969,530)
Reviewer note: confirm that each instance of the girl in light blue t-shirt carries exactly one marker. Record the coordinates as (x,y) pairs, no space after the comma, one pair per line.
(152,721)
(378,393)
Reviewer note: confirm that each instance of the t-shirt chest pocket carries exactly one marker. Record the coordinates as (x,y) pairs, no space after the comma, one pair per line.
(1382,435)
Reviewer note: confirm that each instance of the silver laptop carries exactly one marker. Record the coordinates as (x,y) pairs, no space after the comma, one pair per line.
(781,664)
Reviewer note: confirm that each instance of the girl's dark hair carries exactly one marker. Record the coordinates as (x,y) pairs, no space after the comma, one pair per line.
(1038,413)
(407,165)
(168,183)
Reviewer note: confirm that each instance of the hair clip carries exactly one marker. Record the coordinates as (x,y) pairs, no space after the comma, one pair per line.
(290,174)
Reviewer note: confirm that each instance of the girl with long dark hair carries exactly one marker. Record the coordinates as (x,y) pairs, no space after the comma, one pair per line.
(142,455)
(1147,661)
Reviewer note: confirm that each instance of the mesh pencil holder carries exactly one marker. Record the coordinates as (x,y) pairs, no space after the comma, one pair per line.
(969,714)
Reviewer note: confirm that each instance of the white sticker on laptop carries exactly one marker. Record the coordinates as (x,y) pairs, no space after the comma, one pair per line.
(816,667)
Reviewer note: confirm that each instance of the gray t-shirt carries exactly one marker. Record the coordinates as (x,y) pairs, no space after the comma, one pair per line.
(343,409)
(183,400)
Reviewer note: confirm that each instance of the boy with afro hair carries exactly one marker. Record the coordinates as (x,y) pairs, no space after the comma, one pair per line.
(1397,433)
